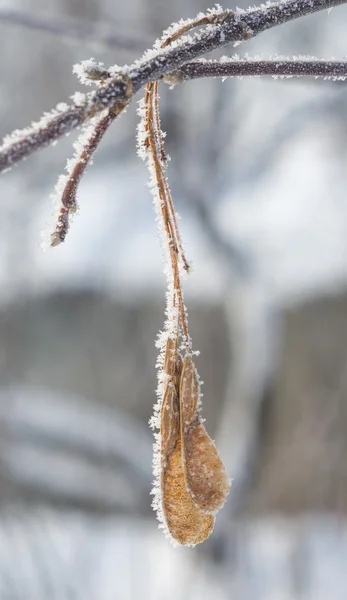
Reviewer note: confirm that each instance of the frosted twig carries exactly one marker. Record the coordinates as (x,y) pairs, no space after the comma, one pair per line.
(155,63)
(68,203)
(76,168)
(249,67)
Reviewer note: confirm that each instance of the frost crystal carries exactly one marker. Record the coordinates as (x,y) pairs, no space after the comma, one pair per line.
(88,70)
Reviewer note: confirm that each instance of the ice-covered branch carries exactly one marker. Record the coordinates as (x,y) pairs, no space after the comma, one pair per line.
(249,67)
(228,27)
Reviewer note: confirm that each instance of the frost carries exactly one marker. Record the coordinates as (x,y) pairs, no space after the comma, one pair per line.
(78,98)
(19,135)
(116,69)
(88,70)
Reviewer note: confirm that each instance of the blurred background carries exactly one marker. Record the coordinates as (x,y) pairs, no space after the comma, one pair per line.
(258,174)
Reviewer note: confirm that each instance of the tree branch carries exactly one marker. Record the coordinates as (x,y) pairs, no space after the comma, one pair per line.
(230,67)
(153,65)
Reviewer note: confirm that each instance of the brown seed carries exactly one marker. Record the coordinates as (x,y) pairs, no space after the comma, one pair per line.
(187,524)
(204,471)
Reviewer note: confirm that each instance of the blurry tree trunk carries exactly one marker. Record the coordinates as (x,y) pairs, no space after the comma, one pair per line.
(301,461)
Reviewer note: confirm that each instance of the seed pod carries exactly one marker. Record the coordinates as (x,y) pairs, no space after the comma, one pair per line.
(187,524)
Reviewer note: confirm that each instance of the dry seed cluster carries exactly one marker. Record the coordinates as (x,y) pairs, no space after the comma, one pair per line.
(191,484)
(194,485)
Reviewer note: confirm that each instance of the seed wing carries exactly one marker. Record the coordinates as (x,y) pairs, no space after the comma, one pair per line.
(189,392)
(169,420)
(187,524)
(205,474)
(204,471)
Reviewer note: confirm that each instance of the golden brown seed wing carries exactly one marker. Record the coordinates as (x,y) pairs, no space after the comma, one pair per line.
(169,420)
(204,471)
(187,524)
(206,529)
(189,393)
(170,357)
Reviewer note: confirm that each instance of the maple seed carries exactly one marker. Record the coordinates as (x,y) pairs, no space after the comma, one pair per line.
(186,522)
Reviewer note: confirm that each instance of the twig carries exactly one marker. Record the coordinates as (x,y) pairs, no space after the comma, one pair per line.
(68,197)
(78,165)
(236,67)
(153,65)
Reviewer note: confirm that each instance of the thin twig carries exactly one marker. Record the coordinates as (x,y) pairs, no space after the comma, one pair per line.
(68,198)
(255,68)
(68,203)
(152,67)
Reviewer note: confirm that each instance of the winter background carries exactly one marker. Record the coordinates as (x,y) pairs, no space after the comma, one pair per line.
(258,174)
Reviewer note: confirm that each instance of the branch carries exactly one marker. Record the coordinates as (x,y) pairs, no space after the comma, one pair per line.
(85,146)
(84,31)
(249,67)
(153,65)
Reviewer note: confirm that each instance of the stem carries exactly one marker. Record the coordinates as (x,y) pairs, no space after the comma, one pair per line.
(166,203)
